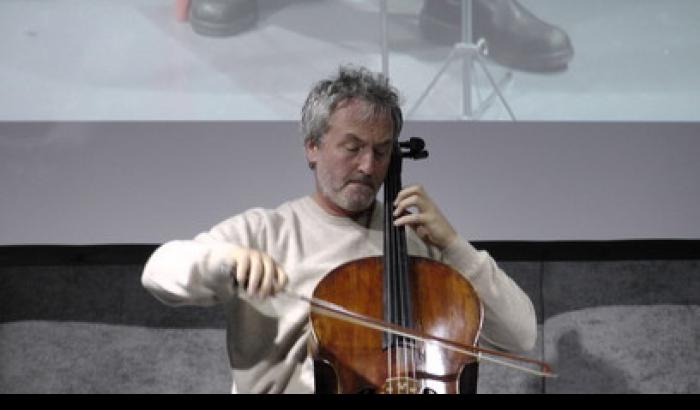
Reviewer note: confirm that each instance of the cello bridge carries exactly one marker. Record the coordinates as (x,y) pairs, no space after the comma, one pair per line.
(401,385)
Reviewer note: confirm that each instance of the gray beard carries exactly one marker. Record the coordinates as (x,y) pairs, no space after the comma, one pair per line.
(351,204)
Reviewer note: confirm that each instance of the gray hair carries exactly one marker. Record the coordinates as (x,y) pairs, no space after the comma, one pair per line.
(351,82)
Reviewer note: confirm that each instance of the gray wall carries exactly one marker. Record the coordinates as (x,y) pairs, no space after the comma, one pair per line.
(133,182)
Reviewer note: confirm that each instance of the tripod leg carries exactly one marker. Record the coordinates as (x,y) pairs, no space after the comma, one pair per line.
(488,101)
(453,54)
(496,89)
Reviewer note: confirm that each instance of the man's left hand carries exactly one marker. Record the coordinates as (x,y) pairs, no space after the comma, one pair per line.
(428,221)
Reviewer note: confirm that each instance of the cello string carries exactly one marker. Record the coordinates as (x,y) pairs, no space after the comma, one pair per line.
(406,293)
(401,298)
(390,337)
(405,302)
(404,298)
(389,270)
(398,300)
(397,295)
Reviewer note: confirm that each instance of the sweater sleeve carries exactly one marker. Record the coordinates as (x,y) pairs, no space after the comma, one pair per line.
(198,271)
(189,273)
(509,322)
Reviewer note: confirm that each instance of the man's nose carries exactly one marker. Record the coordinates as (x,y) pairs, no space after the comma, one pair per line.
(367,162)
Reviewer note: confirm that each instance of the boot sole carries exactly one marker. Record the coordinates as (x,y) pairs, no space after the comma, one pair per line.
(441,33)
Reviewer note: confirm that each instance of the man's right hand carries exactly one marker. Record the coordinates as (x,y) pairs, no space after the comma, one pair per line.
(257,273)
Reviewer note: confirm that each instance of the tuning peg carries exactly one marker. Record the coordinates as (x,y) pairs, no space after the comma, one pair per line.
(413,143)
(416,148)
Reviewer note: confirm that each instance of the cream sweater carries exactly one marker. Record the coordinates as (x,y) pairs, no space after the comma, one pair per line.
(266,340)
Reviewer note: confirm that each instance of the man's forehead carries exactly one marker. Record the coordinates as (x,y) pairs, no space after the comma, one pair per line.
(354,102)
(361,110)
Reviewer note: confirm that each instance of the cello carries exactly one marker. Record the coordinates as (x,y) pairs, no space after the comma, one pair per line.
(414,294)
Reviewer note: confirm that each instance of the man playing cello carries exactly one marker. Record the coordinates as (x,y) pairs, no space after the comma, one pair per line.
(243,261)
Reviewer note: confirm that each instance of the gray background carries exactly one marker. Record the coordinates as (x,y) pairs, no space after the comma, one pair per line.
(131,182)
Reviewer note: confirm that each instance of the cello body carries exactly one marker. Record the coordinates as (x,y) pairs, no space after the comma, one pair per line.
(353,359)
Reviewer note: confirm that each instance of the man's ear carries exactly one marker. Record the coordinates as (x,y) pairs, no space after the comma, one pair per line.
(311,149)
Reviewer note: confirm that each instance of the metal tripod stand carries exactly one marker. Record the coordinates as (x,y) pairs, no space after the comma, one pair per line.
(470,54)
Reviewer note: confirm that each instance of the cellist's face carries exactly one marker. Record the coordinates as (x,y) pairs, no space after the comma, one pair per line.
(352,157)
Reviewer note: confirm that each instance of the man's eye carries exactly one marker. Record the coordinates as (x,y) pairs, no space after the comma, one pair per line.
(381,153)
(352,148)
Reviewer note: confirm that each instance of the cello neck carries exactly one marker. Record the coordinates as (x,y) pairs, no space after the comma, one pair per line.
(396,287)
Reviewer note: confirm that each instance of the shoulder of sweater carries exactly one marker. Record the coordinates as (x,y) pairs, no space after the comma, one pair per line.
(260,216)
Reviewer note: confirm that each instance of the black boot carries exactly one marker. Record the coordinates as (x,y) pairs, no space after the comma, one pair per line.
(514,36)
(222,18)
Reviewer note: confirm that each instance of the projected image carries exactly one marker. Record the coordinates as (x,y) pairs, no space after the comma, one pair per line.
(539,60)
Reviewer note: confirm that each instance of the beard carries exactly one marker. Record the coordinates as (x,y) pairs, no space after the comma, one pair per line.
(355,194)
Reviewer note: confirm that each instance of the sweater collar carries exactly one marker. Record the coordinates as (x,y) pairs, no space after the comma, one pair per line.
(369,221)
